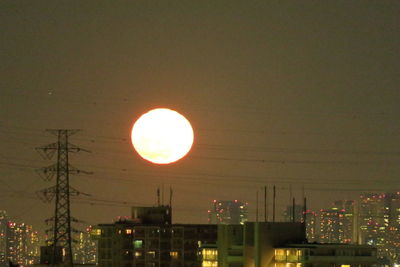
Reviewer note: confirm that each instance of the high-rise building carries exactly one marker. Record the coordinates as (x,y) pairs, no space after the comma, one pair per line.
(329,226)
(373,218)
(337,224)
(13,242)
(379,224)
(19,244)
(149,239)
(32,246)
(298,213)
(311,226)
(85,249)
(3,237)
(335,227)
(228,212)
(348,220)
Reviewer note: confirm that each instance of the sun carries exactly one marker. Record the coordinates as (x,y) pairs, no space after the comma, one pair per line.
(162,136)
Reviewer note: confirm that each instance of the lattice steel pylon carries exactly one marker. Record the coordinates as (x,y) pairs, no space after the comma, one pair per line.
(61,191)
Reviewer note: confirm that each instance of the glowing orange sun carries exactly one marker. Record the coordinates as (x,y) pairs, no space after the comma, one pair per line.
(162,136)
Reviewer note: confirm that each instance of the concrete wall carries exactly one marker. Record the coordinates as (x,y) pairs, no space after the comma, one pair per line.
(230,245)
(261,238)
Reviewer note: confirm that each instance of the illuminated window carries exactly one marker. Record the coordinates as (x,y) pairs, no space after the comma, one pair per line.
(138,254)
(210,254)
(291,252)
(280,255)
(151,254)
(345,265)
(174,254)
(138,243)
(95,233)
(209,264)
(128,231)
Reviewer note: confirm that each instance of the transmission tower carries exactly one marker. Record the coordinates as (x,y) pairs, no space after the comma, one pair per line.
(62,191)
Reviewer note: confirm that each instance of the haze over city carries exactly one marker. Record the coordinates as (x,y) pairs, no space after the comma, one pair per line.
(303,95)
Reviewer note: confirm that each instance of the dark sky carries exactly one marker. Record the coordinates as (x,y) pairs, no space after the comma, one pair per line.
(286,92)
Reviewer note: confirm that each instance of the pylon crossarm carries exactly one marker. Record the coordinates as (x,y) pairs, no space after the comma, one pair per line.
(47,151)
(73,148)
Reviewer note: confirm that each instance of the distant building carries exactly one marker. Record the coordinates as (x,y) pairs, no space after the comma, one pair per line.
(3,237)
(228,212)
(348,220)
(311,226)
(16,243)
(335,226)
(32,246)
(19,243)
(298,213)
(379,224)
(149,239)
(22,244)
(85,249)
(374,216)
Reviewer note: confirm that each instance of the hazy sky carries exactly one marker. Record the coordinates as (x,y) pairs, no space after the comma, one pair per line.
(278,92)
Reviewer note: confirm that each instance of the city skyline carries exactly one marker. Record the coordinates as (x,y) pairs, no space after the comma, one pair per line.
(303,96)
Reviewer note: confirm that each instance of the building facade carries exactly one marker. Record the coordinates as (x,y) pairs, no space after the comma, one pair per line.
(338,224)
(379,224)
(228,212)
(149,239)
(3,238)
(312,234)
(297,211)
(324,255)
(85,249)
(283,244)
(22,244)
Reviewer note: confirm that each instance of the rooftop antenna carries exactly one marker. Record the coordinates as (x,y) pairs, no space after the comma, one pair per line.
(158,196)
(265,204)
(293,210)
(257,205)
(162,195)
(290,199)
(170,197)
(273,204)
(305,214)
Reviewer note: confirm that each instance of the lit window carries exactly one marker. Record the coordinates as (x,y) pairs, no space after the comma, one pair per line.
(210,254)
(209,264)
(96,232)
(128,231)
(138,243)
(174,254)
